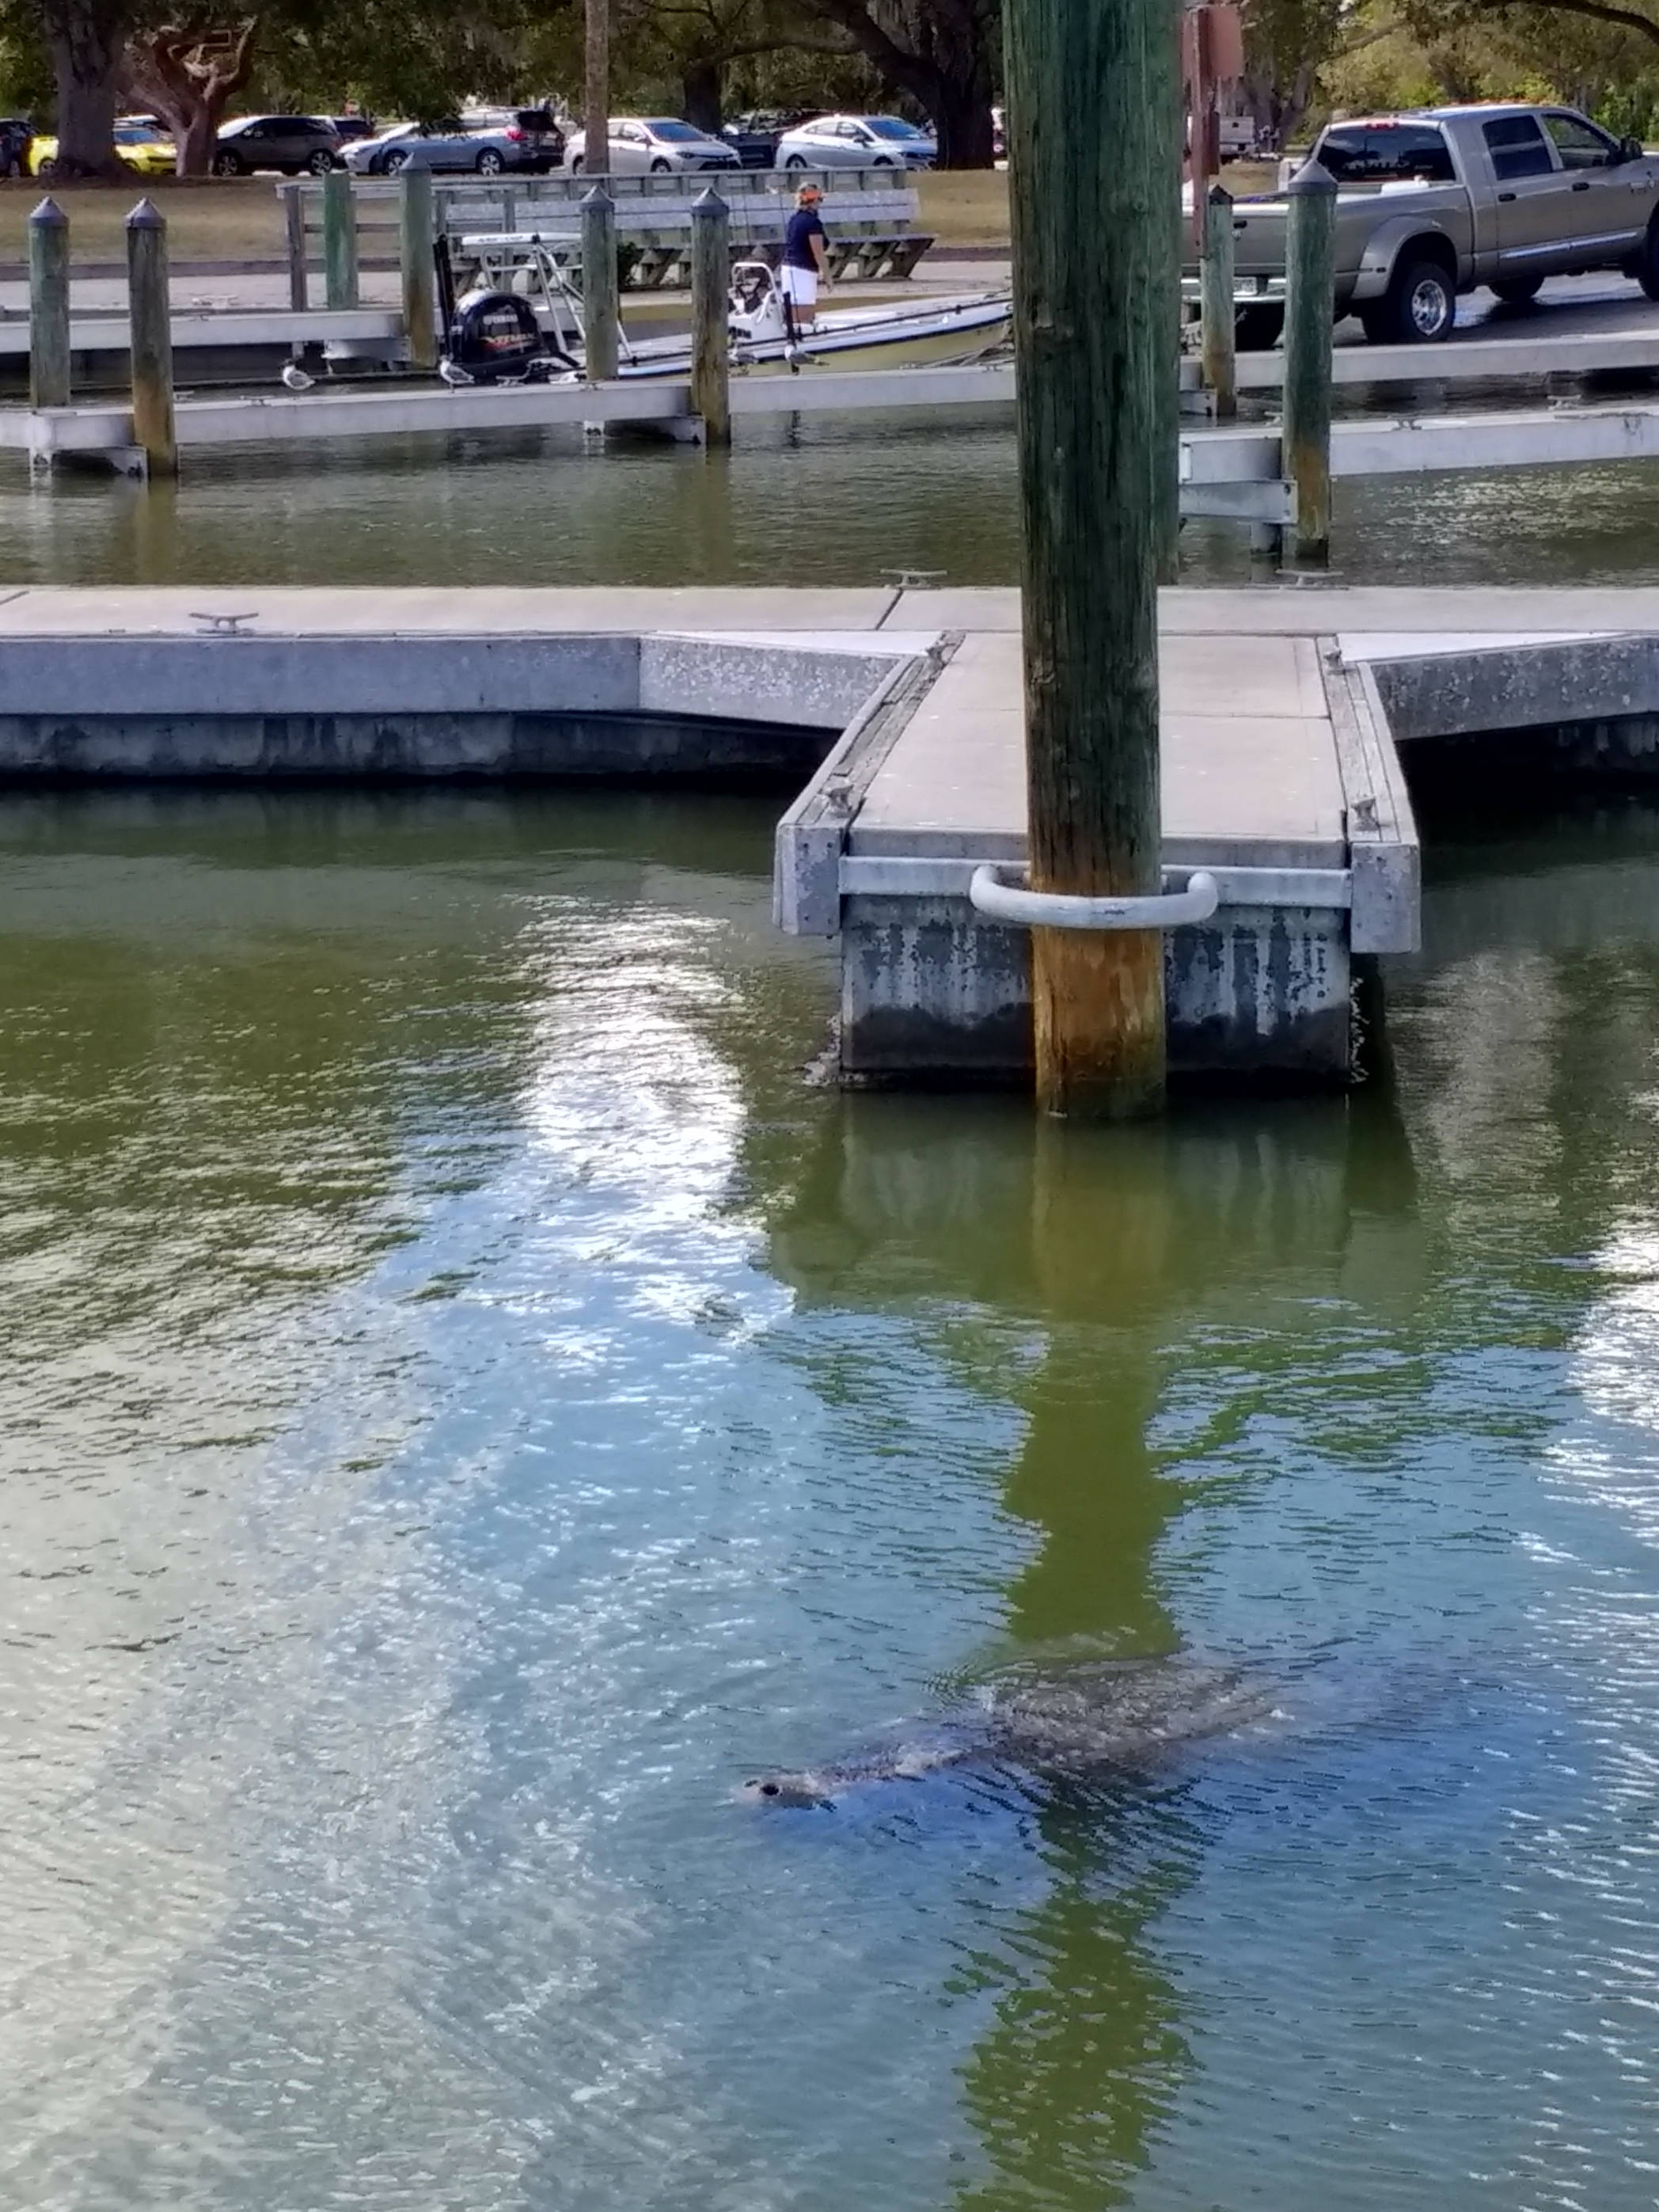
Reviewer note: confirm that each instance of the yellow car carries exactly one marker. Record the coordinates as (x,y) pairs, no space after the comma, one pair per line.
(144,147)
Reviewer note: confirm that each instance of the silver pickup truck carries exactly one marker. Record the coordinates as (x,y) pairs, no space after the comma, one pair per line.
(1441,200)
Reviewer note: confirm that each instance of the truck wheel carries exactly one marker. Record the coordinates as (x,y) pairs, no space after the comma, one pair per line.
(1518,291)
(1646,267)
(1419,309)
(1258,330)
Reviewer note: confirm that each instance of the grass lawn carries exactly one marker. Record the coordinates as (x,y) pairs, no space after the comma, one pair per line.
(240,218)
(215,219)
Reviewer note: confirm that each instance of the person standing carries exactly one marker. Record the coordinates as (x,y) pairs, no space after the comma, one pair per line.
(805,258)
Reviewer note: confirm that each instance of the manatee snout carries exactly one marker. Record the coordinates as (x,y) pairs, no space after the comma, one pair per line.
(801,1791)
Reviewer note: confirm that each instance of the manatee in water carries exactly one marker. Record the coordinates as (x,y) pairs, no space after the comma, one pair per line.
(1094,1716)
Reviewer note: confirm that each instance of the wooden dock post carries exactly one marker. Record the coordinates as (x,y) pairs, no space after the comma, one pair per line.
(1166,335)
(420,271)
(1310,320)
(1218,331)
(149,327)
(711,316)
(340,284)
(601,308)
(1095,312)
(49,305)
(294,228)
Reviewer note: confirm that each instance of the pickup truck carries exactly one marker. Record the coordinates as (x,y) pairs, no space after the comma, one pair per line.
(1440,200)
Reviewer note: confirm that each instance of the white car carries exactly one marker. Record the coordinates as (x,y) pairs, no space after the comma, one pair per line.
(856,142)
(658,144)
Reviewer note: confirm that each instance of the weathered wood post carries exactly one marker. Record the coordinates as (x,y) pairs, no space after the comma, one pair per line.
(1309,318)
(340,283)
(1166,287)
(420,272)
(150,336)
(1218,331)
(294,228)
(601,308)
(711,343)
(49,305)
(1095,312)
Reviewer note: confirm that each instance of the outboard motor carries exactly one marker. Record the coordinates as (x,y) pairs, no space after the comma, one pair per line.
(494,338)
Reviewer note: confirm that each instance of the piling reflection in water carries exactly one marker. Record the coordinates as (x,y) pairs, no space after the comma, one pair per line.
(1099,1251)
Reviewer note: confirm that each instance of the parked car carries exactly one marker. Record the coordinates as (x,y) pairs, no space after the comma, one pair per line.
(292,143)
(17,136)
(856,142)
(536,129)
(1435,203)
(658,144)
(447,146)
(754,138)
(142,145)
(349,128)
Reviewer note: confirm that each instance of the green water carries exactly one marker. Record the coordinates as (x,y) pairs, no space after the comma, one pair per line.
(470,1401)
(831,500)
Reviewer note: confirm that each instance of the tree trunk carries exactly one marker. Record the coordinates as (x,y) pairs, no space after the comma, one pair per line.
(961,117)
(86,37)
(703,92)
(596,89)
(197,141)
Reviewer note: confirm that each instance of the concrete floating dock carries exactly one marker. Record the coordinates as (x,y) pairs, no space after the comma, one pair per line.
(1286,713)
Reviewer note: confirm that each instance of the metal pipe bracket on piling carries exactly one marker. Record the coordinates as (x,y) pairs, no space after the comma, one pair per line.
(1002,901)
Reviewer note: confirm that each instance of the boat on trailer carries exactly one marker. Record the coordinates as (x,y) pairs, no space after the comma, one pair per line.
(491,342)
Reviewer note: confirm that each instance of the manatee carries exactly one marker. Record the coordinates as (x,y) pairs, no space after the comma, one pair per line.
(1093,1717)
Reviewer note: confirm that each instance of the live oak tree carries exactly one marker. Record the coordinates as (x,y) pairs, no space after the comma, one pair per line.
(187,75)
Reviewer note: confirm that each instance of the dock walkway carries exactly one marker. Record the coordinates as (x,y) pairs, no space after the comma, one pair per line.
(1285,712)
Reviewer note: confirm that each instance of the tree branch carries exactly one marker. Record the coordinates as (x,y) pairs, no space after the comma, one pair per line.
(1599,11)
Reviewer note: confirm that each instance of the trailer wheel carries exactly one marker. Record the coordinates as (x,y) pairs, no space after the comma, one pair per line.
(1258,330)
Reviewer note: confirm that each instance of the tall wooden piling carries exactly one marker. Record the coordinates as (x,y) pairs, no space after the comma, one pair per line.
(340,280)
(1309,318)
(420,272)
(293,230)
(149,328)
(711,343)
(1218,333)
(1095,310)
(601,307)
(1165,95)
(49,307)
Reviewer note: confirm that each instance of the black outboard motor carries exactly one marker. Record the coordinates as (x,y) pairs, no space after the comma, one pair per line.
(494,338)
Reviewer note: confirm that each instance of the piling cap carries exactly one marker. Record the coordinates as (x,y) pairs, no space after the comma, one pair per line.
(1311,177)
(49,216)
(598,198)
(147,217)
(709,203)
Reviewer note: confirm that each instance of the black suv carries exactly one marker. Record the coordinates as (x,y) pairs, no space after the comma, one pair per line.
(289,143)
(17,133)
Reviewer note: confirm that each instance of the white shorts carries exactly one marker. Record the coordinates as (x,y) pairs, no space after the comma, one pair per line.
(799,285)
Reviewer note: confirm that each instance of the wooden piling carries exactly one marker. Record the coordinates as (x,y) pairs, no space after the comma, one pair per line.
(1164,50)
(1309,318)
(601,307)
(49,305)
(420,273)
(711,344)
(340,281)
(294,229)
(149,327)
(1094,300)
(1218,331)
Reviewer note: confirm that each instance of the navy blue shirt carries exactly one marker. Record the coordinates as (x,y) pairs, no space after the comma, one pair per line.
(804,228)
